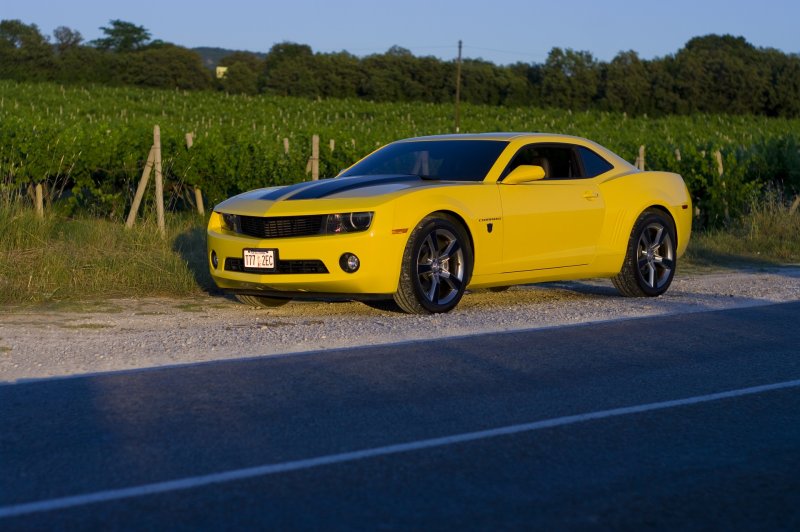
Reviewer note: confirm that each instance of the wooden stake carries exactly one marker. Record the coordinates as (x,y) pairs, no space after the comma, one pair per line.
(721,170)
(159,179)
(39,201)
(718,158)
(137,199)
(198,198)
(795,205)
(458,89)
(286,146)
(198,195)
(333,145)
(677,154)
(315,157)
(641,157)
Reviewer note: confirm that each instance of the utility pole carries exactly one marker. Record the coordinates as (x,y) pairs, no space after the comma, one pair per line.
(458,86)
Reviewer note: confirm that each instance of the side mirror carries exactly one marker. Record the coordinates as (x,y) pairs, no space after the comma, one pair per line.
(524,173)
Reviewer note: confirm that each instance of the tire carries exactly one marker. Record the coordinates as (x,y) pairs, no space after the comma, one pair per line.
(437,265)
(262,301)
(650,259)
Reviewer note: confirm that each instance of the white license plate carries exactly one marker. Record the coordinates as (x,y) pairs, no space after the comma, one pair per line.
(261,259)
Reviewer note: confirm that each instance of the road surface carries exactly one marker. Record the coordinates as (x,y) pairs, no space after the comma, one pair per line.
(672,422)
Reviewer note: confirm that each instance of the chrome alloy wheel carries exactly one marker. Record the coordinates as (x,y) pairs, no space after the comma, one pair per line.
(656,255)
(440,266)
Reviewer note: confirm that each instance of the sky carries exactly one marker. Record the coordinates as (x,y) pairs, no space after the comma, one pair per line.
(502,32)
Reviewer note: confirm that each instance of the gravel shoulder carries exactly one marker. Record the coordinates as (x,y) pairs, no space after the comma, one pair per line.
(123,334)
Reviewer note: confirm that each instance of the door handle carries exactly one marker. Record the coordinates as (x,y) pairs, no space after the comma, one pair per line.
(590,195)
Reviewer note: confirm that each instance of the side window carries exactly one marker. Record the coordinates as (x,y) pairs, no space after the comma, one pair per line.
(558,161)
(593,164)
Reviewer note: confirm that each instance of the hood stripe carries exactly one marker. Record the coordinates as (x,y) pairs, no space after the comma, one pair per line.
(328,187)
(282,192)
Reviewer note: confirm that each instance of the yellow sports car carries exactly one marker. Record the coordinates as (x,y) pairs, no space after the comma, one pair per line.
(421,220)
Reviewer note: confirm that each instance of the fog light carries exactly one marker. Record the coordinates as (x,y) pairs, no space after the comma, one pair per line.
(349,263)
(214,259)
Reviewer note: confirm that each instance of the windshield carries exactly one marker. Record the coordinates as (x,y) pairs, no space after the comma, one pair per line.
(448,160)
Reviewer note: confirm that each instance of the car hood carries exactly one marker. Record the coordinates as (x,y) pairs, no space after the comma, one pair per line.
(356,187)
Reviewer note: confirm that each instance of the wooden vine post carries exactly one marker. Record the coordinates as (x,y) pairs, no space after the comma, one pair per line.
(795,205)
(159,180)
(315,157)
(39,201)
(640,158)
(198,193)
(720,172)
(153,162)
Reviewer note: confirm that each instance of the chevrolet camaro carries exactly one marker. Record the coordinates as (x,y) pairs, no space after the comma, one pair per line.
(421,220)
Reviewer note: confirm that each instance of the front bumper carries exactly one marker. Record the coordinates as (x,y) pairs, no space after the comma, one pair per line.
(379,252)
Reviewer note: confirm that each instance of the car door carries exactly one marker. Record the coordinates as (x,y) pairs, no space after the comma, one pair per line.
(554,222)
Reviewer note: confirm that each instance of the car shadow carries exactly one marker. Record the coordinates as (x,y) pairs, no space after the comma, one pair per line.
(191,246)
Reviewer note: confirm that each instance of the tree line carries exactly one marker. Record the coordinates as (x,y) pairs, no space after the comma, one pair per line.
(710,74)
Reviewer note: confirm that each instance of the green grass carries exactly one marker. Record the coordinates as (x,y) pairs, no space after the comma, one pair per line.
(57,259)
(64,263)
(768,235)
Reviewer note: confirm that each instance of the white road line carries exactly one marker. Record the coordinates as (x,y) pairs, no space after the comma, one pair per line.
(272,469)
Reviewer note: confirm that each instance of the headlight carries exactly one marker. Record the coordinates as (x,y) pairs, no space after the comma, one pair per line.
(348,222)
(232,222)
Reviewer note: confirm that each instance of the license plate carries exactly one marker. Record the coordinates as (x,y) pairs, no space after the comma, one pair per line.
(259,259)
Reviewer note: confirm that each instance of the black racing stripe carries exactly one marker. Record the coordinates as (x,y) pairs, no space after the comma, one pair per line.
(285,191)
(328,187)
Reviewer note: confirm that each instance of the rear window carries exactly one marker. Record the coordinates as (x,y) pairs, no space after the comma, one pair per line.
(593,164)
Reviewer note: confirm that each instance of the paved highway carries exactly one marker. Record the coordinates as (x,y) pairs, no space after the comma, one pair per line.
(679,422)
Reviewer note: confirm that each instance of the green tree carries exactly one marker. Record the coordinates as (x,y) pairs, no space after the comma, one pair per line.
(122,36)
(243,72)
(66,38)
(290,70)
(721,74)
(167,66)
(626,84)
(783,95)
(570,79)
(25,54)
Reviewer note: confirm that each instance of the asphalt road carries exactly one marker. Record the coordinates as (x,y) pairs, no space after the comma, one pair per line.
(679,422)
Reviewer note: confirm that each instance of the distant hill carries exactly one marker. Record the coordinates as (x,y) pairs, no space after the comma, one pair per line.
(212,56)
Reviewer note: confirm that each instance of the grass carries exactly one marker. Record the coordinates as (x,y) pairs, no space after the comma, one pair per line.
(64,263)
(768,235)
(56,259)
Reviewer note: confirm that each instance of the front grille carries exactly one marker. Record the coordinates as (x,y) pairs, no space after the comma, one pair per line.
(282,227)
(283,266)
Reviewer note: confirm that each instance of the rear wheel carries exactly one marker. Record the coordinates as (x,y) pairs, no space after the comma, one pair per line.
(437,264)
(650,259)
(262,301)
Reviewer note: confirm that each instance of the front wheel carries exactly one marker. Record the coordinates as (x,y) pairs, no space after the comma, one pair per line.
(650,259)
(437,264)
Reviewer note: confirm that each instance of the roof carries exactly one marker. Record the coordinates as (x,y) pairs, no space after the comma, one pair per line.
(507,136)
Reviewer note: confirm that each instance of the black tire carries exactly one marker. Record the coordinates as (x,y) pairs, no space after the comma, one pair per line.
(437,265)
(262,301)
(650,259)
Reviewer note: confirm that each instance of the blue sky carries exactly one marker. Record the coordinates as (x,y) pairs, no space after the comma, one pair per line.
(502,32)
